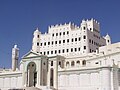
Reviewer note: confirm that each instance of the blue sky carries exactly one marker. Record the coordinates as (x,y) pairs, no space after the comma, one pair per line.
(19,19)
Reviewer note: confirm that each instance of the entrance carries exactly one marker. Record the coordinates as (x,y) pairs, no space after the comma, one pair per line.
(31,74)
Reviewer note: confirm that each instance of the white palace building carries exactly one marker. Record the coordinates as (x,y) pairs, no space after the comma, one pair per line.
(67,57)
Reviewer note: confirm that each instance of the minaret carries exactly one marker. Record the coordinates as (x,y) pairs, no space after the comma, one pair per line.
(15,56)
(108,39)
(36,41)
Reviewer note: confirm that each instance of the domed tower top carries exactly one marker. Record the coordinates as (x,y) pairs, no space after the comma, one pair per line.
(36,41)
(108,39)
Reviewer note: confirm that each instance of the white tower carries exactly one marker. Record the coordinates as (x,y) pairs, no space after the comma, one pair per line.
(15,56)
(108,39)
(36,41)
(84,46)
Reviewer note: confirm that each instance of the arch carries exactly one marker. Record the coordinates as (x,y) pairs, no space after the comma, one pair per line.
(31,74)
(51,77)
(67,64)
(78,62)
(84,62)
(72,63)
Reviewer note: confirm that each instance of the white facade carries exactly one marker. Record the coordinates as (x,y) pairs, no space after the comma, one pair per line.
(68,57)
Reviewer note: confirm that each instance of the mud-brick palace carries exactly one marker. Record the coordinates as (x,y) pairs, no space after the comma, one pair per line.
(67,57)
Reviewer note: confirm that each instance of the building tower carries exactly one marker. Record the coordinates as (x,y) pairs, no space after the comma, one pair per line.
(84,46)
(108,39)
(36,41)
(15,56)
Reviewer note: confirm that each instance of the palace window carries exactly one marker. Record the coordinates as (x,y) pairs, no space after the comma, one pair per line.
(63,41)
(72,63)
(67,40)
(78,62)
(55,51)
(63,50)
(67,50)
(67,63)
(84,47)
(71,49)
(60,33)
(51,63)
(59,51)
(51,52)
(59,41)
(75,39)
(72,40)
(84,37)
(63,33)
(84,28)
(52,42)
(53,35)
(56,34)
(45,43)
(67,32)
(83,62)
(48,43)
(38,36)
(37,43)
(55,42)
(75,49)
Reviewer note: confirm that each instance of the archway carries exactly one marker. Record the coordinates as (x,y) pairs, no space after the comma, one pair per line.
(31,74)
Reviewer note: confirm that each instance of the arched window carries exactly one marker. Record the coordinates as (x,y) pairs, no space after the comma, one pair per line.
(67,63)
(83,62)
(72,63)
(78,62)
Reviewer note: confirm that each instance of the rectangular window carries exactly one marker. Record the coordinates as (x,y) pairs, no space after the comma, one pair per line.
(63,41)
(63,50)
(38,36)
(75,49)
(44,53)
(55,42)
(51,52)
(41,44)
(63,33)
(45,43)
(48,43)
(68,40)
(67,32)
(75,39)
(55,51)
(56,34)
(53,35)
(59,51)
(89,40)
(60,33)
(37,43)
(67,50)
(72,40)
(40,52)
(52,42)
(71,49)
(84,28)
(78,49)
(51,63)
(84,47)
(79,38)
(59,41)
(84,37)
